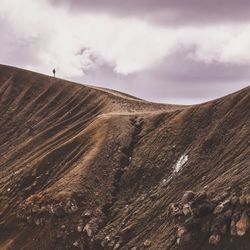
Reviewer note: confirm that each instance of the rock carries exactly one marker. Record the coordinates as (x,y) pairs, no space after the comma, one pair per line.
(74,208)
(223,228)
(37,221)
(204,209)
(154,196)
(59,211)
(58,235)
(219,225)
(164,183)
(242,226)
(117,245)
(79,228)
(188,196)
(248,199)
(174,209)
(234,200)
(186,209)
(105,241)
(228,214)
(222,207)
(147,243)
(205,227)
(233,230)
(214,239)
(87,214)
(76,244)
(242,199)
(183,234)
(181,231)
(246,193)
(133,248)
(178,241)
(88,230)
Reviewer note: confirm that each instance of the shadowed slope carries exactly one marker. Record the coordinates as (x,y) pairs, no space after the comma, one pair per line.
(90,168)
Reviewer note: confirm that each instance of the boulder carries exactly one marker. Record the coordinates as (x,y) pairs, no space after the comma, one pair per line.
(214,239)
(187,196)
(242,226)
(147,243)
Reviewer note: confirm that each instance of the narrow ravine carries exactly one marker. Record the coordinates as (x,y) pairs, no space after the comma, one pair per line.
(128,151)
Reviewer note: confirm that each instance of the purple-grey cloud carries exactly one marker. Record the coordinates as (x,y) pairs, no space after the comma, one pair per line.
(168,11)
(191,63)
(177,79)
(15,49)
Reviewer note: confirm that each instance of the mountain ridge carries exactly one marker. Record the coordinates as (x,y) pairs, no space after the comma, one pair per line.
(88,168)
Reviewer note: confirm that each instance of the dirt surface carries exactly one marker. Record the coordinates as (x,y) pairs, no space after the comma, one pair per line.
(88,168)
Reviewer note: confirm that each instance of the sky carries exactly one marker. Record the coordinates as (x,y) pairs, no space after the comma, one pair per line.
(169,51)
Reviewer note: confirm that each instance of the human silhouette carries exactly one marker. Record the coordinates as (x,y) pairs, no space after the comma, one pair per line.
(54,72)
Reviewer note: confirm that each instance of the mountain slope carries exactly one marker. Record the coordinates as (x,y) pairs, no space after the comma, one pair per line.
(88,168)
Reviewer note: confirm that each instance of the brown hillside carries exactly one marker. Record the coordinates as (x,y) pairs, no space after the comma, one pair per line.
(88,168)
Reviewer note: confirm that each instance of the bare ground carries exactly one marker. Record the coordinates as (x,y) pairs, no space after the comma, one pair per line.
(88,168)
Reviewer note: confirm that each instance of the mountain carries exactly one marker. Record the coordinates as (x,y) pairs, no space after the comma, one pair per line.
(83,167)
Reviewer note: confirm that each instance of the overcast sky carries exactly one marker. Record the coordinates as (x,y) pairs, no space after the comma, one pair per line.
(169,51)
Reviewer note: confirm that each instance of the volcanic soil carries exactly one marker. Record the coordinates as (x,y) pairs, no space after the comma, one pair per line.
(83,167)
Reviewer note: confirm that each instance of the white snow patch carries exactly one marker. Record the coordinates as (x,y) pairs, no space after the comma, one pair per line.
(179,164)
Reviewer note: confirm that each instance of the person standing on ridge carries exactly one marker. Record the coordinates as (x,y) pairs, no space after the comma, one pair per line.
(54,72)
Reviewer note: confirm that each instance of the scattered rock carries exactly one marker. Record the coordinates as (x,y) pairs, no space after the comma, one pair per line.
(219,225)
(105,241)
(233,230)
(58,235)
(88,230)
(214,239)
(164,183)
(183,234)
(228,214)
(204,209)
(154,196)
(188,196)
(59,211)
(242,226)
(147,243)
(38,221)
(79,228)
(234,200)
(248,199)
(242,199)
(86,214)
(181,231)
(205,227)
(222,207)
(246,193)
(203,178)
(187,209)
(174,209)
(76,244)
(178,241)
(117,245)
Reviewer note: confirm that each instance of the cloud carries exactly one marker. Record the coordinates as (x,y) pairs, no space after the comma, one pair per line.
(126,53)
(167,12)
(177,79)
